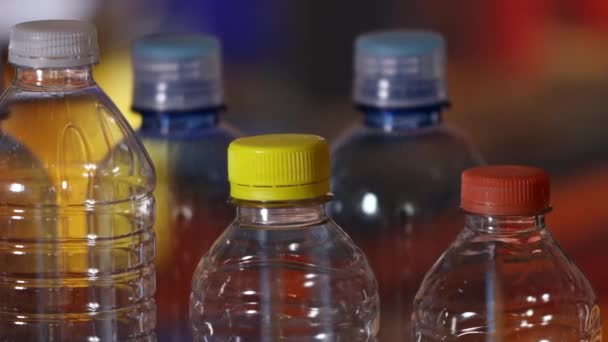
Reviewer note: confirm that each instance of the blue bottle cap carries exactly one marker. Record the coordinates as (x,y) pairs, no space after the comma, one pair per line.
(398,69)
(176,46)
(177,72)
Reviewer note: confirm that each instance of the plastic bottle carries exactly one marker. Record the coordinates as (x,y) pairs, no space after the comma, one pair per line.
(283,271)
(76,205)
(396,172)
(505,278)
(178,91)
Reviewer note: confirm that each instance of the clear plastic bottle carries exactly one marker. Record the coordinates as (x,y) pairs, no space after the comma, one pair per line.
(76,205)
(505,278)
(396,172)
(178,91)
(283,271)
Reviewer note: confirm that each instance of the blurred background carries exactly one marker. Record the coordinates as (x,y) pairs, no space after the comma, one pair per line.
(528,80)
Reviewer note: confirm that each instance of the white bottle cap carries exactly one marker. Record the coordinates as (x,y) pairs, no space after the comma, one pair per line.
(397,69)
(177,72)
(53,44)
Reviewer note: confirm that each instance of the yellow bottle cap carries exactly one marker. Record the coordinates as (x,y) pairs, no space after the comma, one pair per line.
(279,167)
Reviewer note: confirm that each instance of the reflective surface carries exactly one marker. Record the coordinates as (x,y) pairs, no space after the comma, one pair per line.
(396,178)
(506,279)
(528,88)
(189,152)
(284,273)
(76,214)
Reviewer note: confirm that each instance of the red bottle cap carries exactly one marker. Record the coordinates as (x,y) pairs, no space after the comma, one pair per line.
(505,190)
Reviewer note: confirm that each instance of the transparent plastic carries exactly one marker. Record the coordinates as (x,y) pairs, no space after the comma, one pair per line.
(506,279)
(189,152)
(396,176)
(76,214)
(284,272)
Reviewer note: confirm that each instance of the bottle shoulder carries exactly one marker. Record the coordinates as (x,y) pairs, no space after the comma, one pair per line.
(290,276)
(197,158)
(322,248)
(531,262)
(439,142)
(360,134)
(211,140)
(196,133)
(524,282)
(79,140)
(426,166)
(315,268)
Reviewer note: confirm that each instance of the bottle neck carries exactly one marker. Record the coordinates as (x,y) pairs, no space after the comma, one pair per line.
(505,224)
(294,214)
(54,79)
(182,123)
(393,119)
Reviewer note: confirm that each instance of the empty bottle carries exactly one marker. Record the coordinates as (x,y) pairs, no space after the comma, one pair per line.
(396,172)
(178,91)
(505,278)
(76,205)
(283,271)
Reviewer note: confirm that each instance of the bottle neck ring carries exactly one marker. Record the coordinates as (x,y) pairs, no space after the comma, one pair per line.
(505,224)
(54,79)
(281,214)
(180,122)
(392,119)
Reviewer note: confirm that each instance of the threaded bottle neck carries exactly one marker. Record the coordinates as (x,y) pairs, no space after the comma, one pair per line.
(394,119)
(281,215)
(505,224)
(54,79)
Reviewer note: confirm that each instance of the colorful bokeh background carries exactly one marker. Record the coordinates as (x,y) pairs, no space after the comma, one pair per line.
(528,80)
